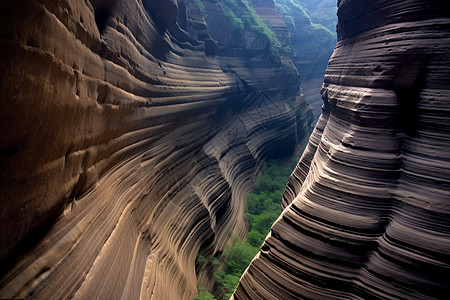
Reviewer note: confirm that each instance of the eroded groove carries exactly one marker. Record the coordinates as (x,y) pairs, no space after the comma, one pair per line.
(366,210)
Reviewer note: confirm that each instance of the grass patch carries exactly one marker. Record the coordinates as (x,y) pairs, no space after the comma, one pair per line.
(263,208)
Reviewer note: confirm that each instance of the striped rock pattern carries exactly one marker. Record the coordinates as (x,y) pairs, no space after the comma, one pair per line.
(367,210)
(311,91)
(129,139)
(266,11)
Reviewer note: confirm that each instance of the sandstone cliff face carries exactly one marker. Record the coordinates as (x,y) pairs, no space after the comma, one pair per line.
(367,209)
(130,134)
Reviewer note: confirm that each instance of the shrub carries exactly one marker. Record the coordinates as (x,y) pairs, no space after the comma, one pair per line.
(231,282)
(214,261)
(201,259)
(236,24)
(255,238)
(242,16)
(203,294)
(263,207)
(238,256)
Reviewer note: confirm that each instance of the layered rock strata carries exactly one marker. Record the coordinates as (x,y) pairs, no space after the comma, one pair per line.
(130,136)
(269,15)
(367,209)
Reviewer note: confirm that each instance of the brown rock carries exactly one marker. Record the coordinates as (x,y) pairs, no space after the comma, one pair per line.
(125,151)
(366,210)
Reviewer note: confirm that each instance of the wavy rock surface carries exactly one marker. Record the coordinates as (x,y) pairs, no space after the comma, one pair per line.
(129,139)
(367,209)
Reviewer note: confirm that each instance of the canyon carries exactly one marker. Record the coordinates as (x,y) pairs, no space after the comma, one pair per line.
(132,130)
(367,208)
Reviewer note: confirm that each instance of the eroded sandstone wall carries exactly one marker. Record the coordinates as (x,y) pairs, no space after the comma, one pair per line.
(367,209)
(130,133)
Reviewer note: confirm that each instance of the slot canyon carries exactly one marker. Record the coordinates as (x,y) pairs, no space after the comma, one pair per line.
(133,132)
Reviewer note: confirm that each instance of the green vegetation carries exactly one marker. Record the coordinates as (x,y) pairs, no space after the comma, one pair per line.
(312,41)
(242,16)
(203,294)
(200,6)
(286,50)
(263,208)
(201,259)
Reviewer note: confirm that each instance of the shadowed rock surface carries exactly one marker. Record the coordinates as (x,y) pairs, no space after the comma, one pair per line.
(311,43)
(311,27)
(311,91)
(130,133)
(367,211)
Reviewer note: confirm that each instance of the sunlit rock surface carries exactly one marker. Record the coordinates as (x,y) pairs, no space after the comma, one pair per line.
(367,208)
(130,133)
